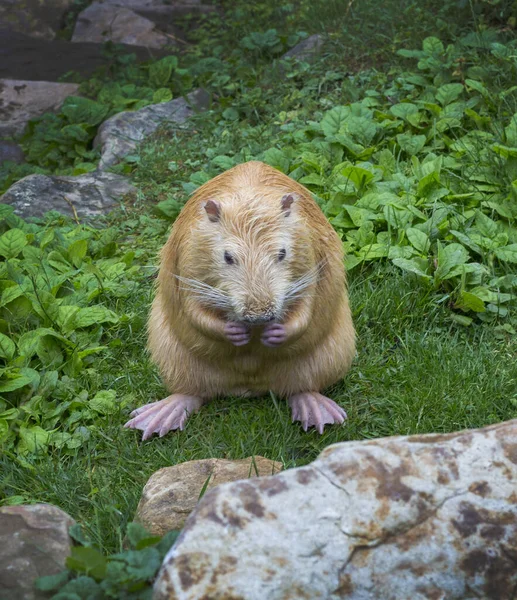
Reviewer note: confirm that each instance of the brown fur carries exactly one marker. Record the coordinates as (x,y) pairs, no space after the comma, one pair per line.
(186,339)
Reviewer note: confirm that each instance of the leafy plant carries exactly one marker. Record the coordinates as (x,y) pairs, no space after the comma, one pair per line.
(126,575)
(57,284)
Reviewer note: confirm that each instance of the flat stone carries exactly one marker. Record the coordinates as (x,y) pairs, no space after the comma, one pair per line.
(37,18)
(34,542)
(86,195)
(172,493)
(103,23)
(305,49)
(21,101)
(420,517)
(121,134)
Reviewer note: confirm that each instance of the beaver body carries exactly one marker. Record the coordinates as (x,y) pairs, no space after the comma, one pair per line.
(251,298)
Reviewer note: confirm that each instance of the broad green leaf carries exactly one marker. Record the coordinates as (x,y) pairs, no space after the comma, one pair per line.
(358,215)
(95,315)
(461,319)
(398,218)
(11,381)
(412,265)
(478,86)
(467,301)
(87,560)
(59,262)
(507,254)
(7,347)
(47,237)
(47,583)
(277,159)
(357,175)
(504,151)
(77,251)
(334,120)
(449,257)
(448,93)
(34,439)
(412,144)
(403,110)
(104,402)
(162,95)
(160,71)
(488,295)
(486,226)
(432,45)
(362,129)
(373,251)
(12,243)
(313,179)
(28,342)
(6,210)
(83,110)
(418,239)
(10,294)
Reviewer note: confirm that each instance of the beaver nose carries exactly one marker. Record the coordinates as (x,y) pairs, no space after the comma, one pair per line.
(258,319)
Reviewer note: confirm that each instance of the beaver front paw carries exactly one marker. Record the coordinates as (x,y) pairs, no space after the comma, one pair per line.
(237,333)
(273,335)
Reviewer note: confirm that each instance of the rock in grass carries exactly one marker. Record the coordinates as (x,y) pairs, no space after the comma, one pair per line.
(34,542)
(103,23)
(172,493)
(425,516)
(305,49)
(21,101)
(86,195)
(120,135)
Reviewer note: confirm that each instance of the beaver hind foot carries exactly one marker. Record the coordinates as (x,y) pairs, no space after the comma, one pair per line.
(165,415)
(315,410)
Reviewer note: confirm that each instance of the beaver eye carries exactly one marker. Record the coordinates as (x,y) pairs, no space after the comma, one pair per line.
(281,254)
(229,258)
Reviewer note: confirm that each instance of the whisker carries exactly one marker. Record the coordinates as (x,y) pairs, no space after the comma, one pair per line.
(302,283)
(204,292)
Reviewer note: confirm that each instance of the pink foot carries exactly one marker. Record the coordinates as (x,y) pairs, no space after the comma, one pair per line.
(273,335)
(165,415)
(237,333)
(313,409)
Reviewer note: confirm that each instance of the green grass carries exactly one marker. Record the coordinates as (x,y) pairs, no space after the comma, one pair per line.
(416,372)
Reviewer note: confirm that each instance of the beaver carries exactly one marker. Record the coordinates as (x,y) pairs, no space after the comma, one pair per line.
(251,297)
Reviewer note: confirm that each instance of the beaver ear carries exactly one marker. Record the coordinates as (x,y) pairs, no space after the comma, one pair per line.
(286,202)
(213,210)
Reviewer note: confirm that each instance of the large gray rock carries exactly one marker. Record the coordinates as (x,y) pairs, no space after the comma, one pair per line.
(172,493)
(82,196)
(34,541)
(121,134)
(420,517)
(37,18)
(21,101)
(306,49)
(103,23)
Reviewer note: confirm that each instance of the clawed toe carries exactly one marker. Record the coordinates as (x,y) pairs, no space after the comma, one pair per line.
(315,410)
(164,416)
